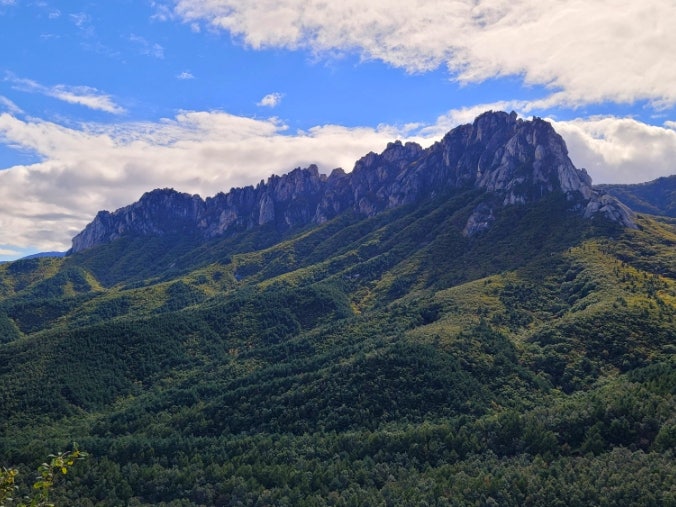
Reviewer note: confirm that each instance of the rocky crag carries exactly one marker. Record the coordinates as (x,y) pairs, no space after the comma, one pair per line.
(514,160)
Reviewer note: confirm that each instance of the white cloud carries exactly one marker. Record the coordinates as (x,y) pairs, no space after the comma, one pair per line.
(82,95)
(9,253)
(620,150)
(467,114)
(146,47)
(85,96)
(616,50)
(185,75)
(270,100)
(9,106)
(161,11)
(82,21)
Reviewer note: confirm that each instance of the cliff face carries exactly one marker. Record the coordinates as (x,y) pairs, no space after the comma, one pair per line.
(513,160)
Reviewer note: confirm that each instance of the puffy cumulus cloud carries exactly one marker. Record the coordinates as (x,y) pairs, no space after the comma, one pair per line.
(270,100)
(620,150)
(617,50)
(98,166)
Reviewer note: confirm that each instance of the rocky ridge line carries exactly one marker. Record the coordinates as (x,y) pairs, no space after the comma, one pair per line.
(514,160)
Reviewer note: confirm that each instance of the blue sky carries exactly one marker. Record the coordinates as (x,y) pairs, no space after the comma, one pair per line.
(102,101)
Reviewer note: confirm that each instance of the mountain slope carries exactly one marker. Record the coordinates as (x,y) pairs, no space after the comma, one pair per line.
(370,359)
(656,197)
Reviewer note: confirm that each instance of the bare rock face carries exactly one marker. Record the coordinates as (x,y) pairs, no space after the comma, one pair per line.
(480,220)
(157,213)
(514,161)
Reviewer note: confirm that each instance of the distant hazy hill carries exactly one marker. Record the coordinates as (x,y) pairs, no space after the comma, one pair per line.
(45,254)
(505,341)
(657,197)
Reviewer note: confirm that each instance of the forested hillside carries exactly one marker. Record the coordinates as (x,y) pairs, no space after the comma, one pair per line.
(656,197)
(386,360)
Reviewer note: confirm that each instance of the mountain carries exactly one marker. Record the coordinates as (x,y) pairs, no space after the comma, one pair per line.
(514,161)
(442,337)
(656,197)
(45,254)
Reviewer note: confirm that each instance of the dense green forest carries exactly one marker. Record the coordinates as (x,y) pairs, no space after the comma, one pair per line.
(380,361)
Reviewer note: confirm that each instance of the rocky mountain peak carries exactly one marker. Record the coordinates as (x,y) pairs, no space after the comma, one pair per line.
(522,161)
(514,161)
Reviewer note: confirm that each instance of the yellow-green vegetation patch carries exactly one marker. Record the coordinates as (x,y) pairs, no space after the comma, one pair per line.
(464,307)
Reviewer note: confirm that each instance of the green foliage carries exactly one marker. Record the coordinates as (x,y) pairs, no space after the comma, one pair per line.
(59,464)
(8,329)
(30,315)
(180,295)
(381,361)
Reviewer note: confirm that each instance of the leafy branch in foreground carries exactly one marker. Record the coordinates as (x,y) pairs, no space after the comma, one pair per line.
(47,473)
